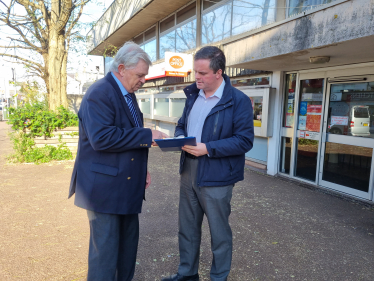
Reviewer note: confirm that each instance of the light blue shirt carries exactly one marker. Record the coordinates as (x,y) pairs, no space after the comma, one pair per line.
(123,90)
(200,111)
(131,107)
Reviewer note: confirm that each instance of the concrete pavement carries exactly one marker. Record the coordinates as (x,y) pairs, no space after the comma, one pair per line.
(282,231)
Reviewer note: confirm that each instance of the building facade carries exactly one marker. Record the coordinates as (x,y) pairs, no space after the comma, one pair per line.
(307,65)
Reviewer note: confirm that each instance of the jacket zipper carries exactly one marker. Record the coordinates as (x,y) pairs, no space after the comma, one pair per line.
(215,123)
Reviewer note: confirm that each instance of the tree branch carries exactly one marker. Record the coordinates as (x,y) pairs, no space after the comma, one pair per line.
(17,47)
(27,3)
(23,59)
(19,31)
(82,4)
(40,72)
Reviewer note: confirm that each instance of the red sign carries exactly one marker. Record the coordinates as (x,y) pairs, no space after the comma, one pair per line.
(176,73)
(313,119)
(314,109)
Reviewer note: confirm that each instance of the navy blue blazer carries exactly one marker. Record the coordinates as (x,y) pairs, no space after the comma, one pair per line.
(111,165)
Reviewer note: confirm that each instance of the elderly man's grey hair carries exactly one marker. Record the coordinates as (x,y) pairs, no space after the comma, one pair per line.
(129,55)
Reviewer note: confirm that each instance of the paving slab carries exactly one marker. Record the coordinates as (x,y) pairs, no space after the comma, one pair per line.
(282,230)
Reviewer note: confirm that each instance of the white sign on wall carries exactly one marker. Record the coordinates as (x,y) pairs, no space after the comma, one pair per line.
(178,64)
(156,71)
(339,120)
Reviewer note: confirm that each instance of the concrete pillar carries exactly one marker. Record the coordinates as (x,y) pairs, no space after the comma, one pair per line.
(274,141)
(198,23)
(281,11)
(157,41)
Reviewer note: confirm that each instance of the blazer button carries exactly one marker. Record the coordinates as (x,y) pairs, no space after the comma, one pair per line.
(132,159)
(129,178)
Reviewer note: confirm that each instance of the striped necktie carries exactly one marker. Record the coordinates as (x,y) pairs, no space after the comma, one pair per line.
(130,103)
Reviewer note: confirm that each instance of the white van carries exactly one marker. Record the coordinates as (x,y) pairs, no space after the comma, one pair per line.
(359,121)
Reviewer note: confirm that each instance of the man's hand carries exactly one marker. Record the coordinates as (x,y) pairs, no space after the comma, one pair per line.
(198,150)
(148,180)
(158,135)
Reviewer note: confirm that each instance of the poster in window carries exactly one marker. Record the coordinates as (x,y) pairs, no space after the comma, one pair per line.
(289,119)
(303,108)
(313,120)
(302,123)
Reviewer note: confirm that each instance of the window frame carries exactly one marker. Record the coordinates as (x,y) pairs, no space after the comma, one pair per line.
(143,34)
(176,26)
(215,6)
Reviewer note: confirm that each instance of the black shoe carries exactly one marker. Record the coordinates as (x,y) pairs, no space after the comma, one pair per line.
(178,277)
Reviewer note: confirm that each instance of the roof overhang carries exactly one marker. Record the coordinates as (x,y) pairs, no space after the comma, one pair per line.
(126,19)
(359,50)
(288,45)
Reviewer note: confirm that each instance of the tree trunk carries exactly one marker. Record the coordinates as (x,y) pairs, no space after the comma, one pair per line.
(56,79)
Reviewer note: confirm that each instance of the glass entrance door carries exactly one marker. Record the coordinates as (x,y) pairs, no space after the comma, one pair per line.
(302,123)
(348,139)
(309,118)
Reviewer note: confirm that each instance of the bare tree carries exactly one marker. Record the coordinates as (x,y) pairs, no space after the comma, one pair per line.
(47,29)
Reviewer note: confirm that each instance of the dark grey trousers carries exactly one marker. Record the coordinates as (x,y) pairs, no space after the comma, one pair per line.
(194,202)
(113,246)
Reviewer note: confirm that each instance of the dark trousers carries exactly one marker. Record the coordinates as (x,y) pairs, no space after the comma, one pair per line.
(194,202)
(113,246)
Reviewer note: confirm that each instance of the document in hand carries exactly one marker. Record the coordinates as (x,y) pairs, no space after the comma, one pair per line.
(175,144)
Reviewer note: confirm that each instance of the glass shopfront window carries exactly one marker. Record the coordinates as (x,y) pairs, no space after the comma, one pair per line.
(161,107)
(166,89)
(285,158)
(107,62)
(248,15)
(234,17)
(180,87)
(186,37)
(306,158)
(351,110)
(151,49)
(289,101)
(167,43)
(309,124)
(216,25)
(348,165)
(310,106)
(177,106)
(145,105)
(298,6)
(257,110)
(210,3)
(250,82)
(182,31)
(147,41)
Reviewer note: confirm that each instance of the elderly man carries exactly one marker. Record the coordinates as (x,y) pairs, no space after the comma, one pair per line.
(110,172)
(221,119)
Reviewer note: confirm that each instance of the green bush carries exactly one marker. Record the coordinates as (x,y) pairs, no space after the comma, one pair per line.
(25,150)
(37,120)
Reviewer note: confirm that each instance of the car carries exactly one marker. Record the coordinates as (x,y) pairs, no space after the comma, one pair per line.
(357,124)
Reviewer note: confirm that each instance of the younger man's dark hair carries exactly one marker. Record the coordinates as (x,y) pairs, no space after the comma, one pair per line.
(215,55)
